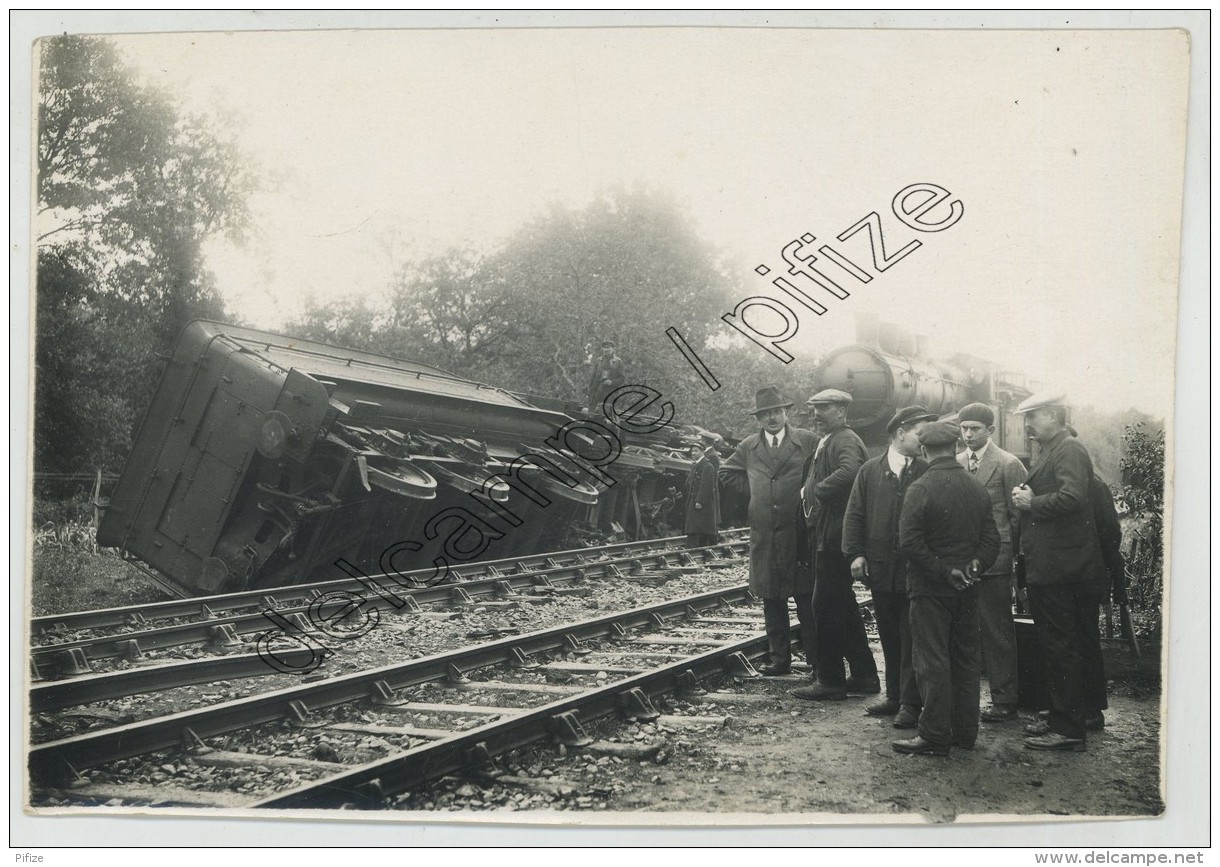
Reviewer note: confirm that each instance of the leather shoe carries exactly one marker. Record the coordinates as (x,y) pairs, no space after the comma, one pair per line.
(1037,727)
(1055,741)
(998,713)
(908,718)
(867,685)
(819,692)
(963,744)
(882,707)
(917,746)
(775,669)
(1095,722)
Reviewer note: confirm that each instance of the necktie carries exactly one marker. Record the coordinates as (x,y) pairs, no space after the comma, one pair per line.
(774,441)
(974,462)
(906,465)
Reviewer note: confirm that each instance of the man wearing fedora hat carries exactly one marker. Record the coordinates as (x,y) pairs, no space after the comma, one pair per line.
(949,538)
(838,625)
(999,473)
(1063,566)
(767,467)
(870,543)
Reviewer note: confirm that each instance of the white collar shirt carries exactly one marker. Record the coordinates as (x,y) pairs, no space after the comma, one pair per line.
(896,460)
(775,440)
(978,455)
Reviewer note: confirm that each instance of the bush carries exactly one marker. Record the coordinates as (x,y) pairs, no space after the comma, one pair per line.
(1143,495)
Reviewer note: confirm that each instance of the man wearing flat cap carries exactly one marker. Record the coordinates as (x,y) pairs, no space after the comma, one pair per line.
(999,473)
(703,495)
(767,467)
(836,615)
(1064,566)
(949,538)
(870,543)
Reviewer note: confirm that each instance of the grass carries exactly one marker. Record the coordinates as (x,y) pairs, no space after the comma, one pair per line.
(71,573)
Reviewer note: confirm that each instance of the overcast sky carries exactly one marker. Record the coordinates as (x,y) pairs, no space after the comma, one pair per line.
(1065,150)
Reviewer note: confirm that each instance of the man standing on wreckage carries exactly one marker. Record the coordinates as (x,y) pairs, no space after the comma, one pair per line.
(768,468)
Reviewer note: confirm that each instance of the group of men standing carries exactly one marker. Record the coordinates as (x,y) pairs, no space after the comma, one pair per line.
(933,534)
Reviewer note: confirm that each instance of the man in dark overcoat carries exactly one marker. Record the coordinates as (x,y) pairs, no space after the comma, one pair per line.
(949,537)
(836,614)
(703,499)
(767,467)
(870,543)
(1063,566)
(999,473)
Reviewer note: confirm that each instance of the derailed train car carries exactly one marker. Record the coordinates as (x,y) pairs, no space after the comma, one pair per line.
(266,460)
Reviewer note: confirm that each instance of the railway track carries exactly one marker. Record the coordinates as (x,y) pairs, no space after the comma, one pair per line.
(309,745)
(224,622)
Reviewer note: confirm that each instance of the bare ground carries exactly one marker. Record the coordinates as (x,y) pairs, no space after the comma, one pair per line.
(782,758)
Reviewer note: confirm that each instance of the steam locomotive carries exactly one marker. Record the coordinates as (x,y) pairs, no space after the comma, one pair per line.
(888,368)
(263,460)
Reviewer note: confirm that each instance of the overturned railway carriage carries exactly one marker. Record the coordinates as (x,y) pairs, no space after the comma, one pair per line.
(265,460)
(888,368)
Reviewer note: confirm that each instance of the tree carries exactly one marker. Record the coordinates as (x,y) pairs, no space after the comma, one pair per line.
(129,188)
(528,316)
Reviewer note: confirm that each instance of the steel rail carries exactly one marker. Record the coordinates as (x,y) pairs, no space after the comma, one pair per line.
(207,606)
(134,644)
(370,784)
(56,761)
(46,697)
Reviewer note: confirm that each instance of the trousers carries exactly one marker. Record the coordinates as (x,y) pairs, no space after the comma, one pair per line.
(945,640)
(998,637)
(838,625)
(775,620)
(1065,617)
(893,612)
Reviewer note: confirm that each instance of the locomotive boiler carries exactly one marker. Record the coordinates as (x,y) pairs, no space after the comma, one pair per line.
(265,460)
(888,368)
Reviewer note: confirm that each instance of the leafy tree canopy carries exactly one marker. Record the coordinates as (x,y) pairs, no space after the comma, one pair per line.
(129,188)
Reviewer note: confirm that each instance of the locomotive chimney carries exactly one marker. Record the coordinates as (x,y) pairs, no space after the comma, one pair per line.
(867,330)
(905,342)
(921,345)
(888,337)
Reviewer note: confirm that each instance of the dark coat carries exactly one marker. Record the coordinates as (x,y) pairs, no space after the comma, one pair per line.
(703,498)
(1058,533)
(1110,537)
(828,485)
(605,369)
(999,472)
(870,523)
(778,556)
(946,522)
